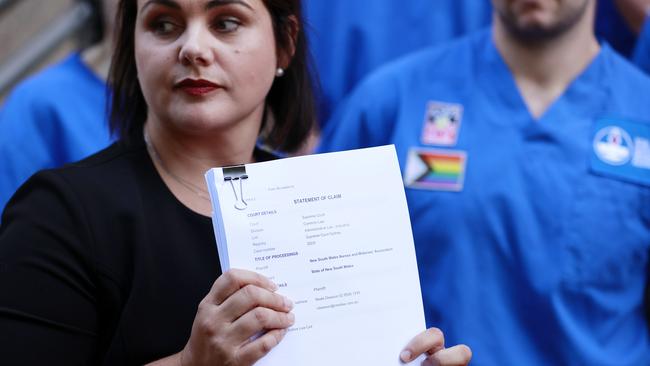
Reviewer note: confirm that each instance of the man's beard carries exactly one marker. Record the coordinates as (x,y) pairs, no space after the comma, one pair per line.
(534,35)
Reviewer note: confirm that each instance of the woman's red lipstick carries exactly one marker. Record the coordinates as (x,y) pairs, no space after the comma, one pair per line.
(196,87)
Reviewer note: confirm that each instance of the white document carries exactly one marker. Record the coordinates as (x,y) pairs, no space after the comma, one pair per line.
(333,232)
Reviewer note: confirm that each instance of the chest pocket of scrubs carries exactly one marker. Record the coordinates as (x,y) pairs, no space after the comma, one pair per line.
(608,233)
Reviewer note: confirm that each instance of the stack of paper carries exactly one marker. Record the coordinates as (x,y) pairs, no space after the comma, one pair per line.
(333,232)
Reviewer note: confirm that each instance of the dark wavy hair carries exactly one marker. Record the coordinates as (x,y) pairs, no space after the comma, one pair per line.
(290,100)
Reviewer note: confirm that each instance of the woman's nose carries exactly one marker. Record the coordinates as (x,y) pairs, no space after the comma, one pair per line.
(196,48)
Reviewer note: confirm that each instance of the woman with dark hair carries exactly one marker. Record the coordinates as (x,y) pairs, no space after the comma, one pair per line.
(112,260)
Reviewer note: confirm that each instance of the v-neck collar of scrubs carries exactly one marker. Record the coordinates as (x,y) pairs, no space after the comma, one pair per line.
(499,83)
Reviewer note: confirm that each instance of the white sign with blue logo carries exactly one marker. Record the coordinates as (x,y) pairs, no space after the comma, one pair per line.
(621,149)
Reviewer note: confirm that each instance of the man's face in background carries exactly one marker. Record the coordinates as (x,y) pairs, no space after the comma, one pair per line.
(539,20)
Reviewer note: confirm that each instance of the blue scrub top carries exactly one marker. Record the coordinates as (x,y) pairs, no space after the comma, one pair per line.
(350,38)
(55,117)
(529,251)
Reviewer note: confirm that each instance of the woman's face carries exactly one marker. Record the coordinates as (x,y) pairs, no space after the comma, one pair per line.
(205,65)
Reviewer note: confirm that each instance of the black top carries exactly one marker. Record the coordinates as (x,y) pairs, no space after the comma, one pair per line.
(101,264)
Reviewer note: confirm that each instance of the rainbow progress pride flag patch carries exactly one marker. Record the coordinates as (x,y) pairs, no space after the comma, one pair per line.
(435,169)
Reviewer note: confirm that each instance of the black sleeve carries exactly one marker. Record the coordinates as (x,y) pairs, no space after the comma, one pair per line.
(48,305)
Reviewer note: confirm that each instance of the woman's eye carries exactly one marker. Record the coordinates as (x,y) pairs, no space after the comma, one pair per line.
(163,27)
(227,25)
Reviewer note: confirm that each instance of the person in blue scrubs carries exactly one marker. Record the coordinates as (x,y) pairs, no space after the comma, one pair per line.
(351,38)
(58,115)
(525,152)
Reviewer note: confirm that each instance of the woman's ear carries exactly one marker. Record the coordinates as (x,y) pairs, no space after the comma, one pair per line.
(286,53)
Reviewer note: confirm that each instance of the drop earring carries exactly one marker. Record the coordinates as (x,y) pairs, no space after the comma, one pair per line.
(279,72)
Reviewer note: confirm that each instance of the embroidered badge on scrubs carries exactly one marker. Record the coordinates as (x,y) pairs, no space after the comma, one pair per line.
(442,124)
(613,145)
(621,149)
(435,169)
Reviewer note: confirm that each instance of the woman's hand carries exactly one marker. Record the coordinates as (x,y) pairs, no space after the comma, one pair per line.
(240,305)
(432,342)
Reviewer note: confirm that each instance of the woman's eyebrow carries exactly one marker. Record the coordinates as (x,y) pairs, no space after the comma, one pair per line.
(210,5)
(168,3)
(215,3)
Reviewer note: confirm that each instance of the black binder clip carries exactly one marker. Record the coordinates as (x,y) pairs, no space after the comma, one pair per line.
(232,173)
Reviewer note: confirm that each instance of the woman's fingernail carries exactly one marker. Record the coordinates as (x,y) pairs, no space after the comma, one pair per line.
(405,355)
(288,303)
(292,318)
